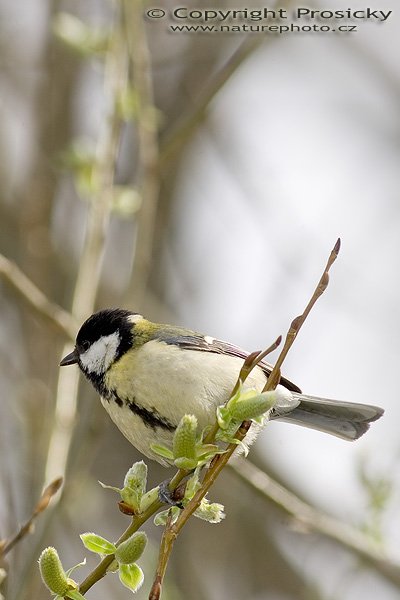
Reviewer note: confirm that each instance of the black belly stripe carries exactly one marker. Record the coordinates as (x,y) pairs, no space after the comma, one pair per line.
(151,418)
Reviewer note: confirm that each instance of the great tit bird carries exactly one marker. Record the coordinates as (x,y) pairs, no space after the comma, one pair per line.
(150,375)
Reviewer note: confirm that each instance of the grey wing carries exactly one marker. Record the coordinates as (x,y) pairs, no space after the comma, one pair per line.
(208,344)
(346,420)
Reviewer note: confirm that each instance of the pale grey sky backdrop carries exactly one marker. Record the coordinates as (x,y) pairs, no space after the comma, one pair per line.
(301,146)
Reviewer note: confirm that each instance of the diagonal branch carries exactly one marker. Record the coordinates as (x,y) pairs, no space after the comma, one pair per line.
(26,528)
(57,316)
(297,323)
(188,123)
(315,520)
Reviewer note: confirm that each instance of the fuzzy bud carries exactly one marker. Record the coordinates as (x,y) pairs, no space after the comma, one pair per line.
(184,445)
(52,572)
(253,406)
(135,484)
(132,549)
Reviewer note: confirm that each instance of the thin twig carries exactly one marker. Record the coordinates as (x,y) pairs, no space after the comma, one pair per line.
(220,461)
(297,323)
(57,316)
(26,528)
(315,520)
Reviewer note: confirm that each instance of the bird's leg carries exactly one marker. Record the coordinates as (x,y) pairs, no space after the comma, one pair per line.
(174,497)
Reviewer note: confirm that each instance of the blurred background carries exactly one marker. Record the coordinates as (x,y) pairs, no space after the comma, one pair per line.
(200,179)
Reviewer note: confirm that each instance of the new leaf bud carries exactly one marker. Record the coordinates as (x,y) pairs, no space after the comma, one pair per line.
(253,406)
(52,572)
(184,444)
(132,549)
(135,484)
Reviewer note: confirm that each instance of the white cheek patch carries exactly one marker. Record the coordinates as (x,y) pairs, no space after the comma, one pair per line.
(135,318)
(101,354)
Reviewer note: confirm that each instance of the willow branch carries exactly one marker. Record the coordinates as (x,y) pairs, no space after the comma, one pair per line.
(172,531)
(59,318)
(315,520)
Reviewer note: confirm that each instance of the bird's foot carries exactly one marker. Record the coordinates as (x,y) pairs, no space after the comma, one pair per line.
(174,497)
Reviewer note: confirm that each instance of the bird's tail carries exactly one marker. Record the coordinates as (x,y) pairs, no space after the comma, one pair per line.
(347,420)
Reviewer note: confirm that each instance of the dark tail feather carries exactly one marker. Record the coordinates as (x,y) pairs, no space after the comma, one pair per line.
(347,420)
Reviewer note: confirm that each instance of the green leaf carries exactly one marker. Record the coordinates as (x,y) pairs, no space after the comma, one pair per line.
(223,417)
(96,543)
(192,485)
(205,457)
(162,517)
(110,487)
(186,464)
(227,435)
(131,576)
(74,595)
(81,564)
(162,451)
(148,498)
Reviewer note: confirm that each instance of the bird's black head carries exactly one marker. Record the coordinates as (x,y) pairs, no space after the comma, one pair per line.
(103,338)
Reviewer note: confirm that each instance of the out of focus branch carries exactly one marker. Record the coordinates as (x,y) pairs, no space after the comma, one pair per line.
(315,520)
(147,133)
(48,493)
(188,123)
(88,277)
(58,317)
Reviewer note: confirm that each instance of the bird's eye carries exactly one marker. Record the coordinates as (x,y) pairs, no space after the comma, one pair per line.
(85,345)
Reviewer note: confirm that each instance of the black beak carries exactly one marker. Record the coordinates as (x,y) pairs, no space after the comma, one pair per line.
(70,359)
